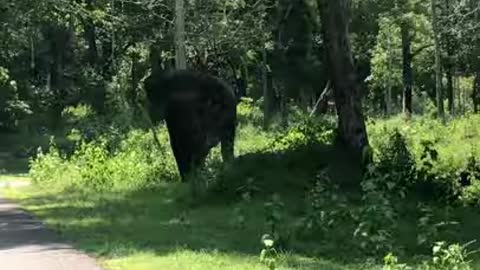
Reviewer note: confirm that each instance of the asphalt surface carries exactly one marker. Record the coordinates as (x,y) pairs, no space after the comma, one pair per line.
(26,244)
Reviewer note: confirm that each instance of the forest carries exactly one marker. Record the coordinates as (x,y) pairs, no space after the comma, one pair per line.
(351,139)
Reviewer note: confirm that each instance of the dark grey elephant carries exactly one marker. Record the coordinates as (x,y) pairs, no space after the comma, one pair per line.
(200,112)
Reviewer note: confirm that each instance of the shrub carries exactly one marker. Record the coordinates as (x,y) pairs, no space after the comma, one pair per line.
(51,169)
(249,112)
(308,132)
(444,257)
(376,218)
(137,163)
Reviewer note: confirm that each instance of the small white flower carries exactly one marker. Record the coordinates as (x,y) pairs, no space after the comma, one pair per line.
(268,242)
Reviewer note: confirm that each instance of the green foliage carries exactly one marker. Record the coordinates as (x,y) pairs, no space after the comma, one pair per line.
(268,254)
(12,108)
(396,162)
(249,112)
(429,226)
(315,212)
(391,263)
(137,163)
(274,214)
(304,133)
(439,153)
(318,218)
(444,257)
(376,219)
(452,256)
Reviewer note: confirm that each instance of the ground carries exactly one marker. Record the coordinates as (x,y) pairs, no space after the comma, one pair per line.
(25,243)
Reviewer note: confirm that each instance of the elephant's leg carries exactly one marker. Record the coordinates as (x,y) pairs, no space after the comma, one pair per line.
(198,183)
(200,158)
(182,155)
(182,159)
(228,142)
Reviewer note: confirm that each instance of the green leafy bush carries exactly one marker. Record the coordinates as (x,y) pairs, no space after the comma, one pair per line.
(444,257)
(137,163)
(308,132)
(249,112)
(377,217)
(439,153)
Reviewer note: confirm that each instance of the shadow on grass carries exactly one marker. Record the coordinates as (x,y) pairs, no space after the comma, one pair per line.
(120,224)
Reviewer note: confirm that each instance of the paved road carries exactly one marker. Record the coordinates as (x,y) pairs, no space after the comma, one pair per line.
(25,244)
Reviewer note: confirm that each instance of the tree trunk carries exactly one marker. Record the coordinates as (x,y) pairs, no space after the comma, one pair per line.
(268,93)
(450,90)
(438,64)
(450,66)
(90,37)
(351,123)
(32,55)
(60,56)
(108,49)
(243,81)
(407,69)
(476,93)
(180,55)
(476,87)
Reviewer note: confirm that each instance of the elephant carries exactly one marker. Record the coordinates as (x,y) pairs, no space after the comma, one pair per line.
(200,111)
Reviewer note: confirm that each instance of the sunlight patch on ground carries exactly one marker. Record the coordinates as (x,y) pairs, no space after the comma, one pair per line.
(14,180)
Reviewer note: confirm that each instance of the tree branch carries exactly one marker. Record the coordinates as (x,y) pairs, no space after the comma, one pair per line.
(322,96)
(419,50)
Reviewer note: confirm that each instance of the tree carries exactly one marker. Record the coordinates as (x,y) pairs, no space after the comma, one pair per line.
(476,59)
(351,123)
(448,37)
(438,64)
(180,57)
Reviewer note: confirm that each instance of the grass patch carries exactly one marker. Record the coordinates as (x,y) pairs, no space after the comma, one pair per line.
(158,230)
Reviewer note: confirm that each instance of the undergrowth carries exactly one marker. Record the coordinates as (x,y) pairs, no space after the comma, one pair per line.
(288,184)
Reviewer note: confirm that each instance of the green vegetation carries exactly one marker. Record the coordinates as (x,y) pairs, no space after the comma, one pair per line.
(128,209)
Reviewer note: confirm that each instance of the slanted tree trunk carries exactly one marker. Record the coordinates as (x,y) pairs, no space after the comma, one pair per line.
(438,64)
(407,69)
(180,55)
(351,123)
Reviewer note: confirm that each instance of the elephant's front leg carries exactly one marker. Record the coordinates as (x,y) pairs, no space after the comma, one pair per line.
(182,156)
(228,142)
(179,141)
